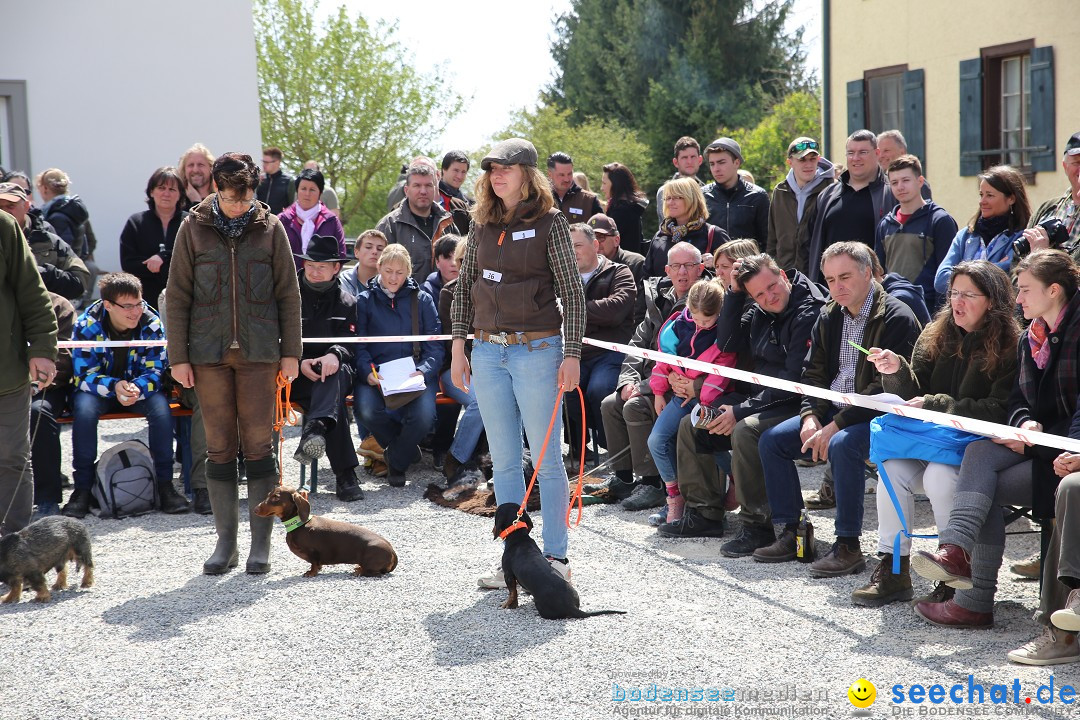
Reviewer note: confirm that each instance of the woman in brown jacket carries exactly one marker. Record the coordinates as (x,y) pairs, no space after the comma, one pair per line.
(519,259)
(233,307)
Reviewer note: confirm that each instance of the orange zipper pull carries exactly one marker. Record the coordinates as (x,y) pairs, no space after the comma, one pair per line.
(501,236)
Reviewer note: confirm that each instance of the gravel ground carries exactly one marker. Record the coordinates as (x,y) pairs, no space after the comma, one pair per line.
(154,638)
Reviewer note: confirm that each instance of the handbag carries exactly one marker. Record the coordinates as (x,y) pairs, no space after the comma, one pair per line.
(894,437)
(400,400)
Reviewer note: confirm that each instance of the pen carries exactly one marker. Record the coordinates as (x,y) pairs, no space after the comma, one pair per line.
(373,372)
(859,347)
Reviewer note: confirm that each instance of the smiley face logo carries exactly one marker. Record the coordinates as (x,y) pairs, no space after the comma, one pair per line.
(862,693)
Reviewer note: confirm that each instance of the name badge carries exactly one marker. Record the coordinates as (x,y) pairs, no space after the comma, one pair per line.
(577,211)
(492,275)
(524,234)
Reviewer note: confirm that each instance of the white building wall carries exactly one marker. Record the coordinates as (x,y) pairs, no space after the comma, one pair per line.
(118,88)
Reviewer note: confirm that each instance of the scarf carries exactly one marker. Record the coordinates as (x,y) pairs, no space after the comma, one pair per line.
(389,293)
(989,228)
(318,287)
(678,232)
(231,227)
(802,194)
(1037,334)
(450,191)
(308,228)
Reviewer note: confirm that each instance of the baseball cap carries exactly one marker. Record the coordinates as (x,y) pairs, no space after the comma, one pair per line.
(800,147)
(725,143)
(1073,146)
(12,192)
(515,151)
(603,225)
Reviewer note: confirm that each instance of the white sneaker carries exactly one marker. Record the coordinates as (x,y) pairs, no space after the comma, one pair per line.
(563,568)
(1068,618)
(494,580)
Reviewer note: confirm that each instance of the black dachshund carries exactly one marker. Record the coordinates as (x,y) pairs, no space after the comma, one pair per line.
(524,564)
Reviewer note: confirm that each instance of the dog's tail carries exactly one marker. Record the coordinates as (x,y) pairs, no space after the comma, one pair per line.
(583,614)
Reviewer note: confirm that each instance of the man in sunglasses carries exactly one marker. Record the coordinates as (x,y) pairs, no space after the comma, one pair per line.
(120,379)
(794,201)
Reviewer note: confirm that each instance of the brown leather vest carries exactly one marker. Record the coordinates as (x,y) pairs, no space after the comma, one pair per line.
(515,290)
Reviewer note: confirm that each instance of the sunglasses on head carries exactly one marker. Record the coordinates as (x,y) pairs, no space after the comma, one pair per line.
(804,145)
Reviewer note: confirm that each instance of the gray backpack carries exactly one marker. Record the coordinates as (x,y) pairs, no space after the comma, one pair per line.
(125,482)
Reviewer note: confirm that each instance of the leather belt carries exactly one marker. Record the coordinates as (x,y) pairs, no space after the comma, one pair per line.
(512,338)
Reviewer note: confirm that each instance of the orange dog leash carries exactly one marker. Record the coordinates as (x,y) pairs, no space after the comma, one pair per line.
(284,414)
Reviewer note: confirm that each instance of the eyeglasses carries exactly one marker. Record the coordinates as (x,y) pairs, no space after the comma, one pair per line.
(235,202)
(858,153)
(683,266)
(968,296)
(129,306)
(804,145)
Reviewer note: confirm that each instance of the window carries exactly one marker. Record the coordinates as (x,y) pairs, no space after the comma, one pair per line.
(885,98)
(1007,109)
(14,128)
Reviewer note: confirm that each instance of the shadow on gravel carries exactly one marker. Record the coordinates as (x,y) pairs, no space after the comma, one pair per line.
(59,597)
(164,615)
(484,632)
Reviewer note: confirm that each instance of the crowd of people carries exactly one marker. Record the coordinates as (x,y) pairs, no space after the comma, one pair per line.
(849,278)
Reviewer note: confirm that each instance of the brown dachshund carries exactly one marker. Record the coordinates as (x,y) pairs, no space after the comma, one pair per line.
(321,541)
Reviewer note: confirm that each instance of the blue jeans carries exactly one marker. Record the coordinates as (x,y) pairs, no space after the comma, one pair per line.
(398,431)
(518,385)
(87,408)
(470,425)
(664,433)
(848,450)
(599,375)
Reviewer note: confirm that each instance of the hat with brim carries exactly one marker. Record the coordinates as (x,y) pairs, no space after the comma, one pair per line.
(515,151)
(12,192)
(322,248)
(1072,147)
(603,225)
(725,144)
(800,147)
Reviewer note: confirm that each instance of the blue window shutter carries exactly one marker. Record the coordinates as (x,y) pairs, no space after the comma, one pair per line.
(971,121)
(915,114)
(856,106)
(1042,109)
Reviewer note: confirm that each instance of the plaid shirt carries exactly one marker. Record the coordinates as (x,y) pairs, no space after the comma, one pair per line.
(564,271)
(1066,210)
(844,382)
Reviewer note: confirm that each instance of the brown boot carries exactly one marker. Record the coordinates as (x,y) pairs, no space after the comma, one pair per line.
(841,560)
(950,565)
(823,499)
(949,614)
(782,550)
(884,587)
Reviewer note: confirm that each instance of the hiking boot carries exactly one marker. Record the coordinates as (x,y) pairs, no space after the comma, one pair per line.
(377,468)
(675,506)
(200,501)
(1068,618)
(396,478)
(371,448)
(692,524)
(170,501)
(1030,568)
(749,539)
(884,587)
(949,614)
(659,517)
(494,580)
(1053,647)
(941,593)
(78,504)
(312,443)
(823,499)
(731,500)
(618,490)
(348,487)
(841,560)
(561,566)
(644,497)
(783,550)
(950,565)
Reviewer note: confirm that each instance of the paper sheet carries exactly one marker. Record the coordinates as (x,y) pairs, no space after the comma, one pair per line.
(394,377)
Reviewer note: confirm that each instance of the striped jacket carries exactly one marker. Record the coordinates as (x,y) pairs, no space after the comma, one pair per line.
(93,366)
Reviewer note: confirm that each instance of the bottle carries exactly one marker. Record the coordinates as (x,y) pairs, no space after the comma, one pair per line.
(804,539)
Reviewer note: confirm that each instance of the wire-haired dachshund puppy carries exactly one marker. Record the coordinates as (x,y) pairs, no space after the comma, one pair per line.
(322,541)
(48,544)
(523,564)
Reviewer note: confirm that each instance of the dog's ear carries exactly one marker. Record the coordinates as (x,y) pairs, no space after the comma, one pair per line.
(303,507)
(527,519)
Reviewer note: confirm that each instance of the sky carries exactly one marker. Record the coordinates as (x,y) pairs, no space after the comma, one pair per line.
(500,76)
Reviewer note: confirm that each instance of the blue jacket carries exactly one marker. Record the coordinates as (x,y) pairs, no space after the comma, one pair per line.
(93,366)
(969,246)
(908,293)
(379,314)
(916,248)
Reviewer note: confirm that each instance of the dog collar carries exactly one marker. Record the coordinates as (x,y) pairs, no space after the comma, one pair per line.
(516,526)
(294,523)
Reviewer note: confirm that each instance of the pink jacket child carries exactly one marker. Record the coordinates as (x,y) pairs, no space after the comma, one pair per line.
(681,336)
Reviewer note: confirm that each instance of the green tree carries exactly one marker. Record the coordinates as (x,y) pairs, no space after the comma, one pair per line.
(765,145)
(344,93)
(592,143)
(668,68)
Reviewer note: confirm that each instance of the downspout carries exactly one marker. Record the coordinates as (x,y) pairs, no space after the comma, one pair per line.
(826,71)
